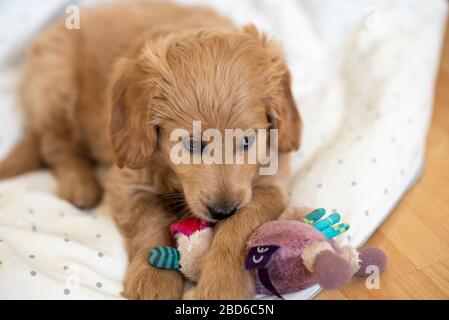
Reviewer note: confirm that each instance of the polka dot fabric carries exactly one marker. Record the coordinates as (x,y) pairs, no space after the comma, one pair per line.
(363,76)
(46,255)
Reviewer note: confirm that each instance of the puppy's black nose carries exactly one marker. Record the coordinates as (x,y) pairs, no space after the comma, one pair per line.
(220,211)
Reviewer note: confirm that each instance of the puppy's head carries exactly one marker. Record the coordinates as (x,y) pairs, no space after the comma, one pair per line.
(220,80)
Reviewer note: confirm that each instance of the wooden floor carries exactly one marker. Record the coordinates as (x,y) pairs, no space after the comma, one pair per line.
(416,235)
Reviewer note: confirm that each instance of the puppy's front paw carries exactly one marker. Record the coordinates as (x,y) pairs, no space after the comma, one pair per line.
(144,282)
(222,279)
(80,188)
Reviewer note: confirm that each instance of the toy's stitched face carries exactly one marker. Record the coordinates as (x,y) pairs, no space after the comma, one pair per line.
(259,257)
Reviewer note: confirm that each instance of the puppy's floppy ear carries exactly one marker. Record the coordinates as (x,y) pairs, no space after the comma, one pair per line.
(132,133)
(285,117)
(282,111)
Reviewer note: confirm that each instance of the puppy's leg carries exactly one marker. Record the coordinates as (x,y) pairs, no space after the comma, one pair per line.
(77,182)
(145,225)
(23,158)
(49,95)
(223,275)
(142,280)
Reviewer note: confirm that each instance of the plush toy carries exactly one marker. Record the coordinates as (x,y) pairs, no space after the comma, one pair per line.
(193,238)
(289,255)
(286,255)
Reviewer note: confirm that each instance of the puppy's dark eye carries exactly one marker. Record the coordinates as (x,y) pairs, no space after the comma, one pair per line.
(247,142)
(192,145)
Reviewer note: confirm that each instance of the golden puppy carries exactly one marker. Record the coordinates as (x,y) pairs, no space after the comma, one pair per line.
(117,88)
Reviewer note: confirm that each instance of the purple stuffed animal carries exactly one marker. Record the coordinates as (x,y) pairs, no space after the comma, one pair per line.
(290,255)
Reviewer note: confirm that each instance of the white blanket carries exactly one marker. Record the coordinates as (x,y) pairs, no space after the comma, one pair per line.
(364,74)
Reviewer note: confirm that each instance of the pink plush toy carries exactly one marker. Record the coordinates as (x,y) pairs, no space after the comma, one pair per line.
(296,252)
(286,255)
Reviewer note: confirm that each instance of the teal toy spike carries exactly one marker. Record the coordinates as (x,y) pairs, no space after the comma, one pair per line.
(335,230)
(327,222)
(164,258)
(314,216)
